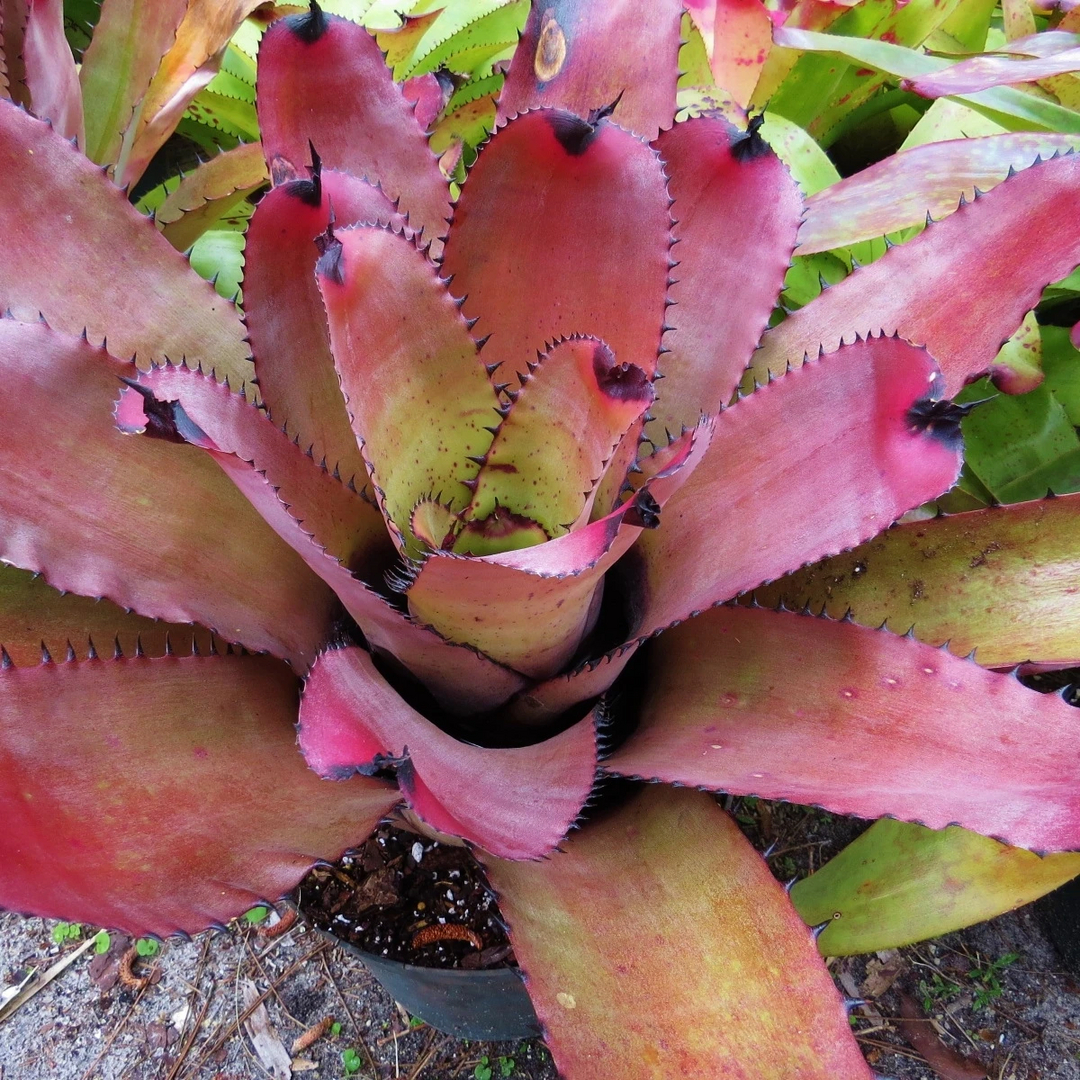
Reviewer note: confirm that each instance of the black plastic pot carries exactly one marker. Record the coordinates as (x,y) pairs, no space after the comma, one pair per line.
(1059,913)
(490,1006)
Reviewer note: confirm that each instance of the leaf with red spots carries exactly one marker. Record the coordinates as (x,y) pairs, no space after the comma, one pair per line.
(532,608)
(601,217)
(583,56)
(103,761)
(659,943)
(1002,580)
(859,721)
(417,393)
(568,415)
(313,58)
(738,38)
(352,721)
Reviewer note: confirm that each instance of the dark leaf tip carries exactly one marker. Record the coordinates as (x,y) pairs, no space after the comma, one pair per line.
(575,135)
(308,26)
(751,145)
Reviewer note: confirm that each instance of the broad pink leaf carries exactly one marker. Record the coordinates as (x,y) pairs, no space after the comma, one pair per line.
(659,944)
(864,459)
(32,614)
(351,721)
(859,721)
(997,252)
(51,77)
(192,60)
(583,56)
(592,260)
(333,530)
(211,192)
(1001,580)
(311,59)
(898,883)
(153,738)
(737,212)
(283,309)
(136,291)
(148,526)
(567,416)
(1039,56)
(129,41)
(532,608)
(932,179)
(418,397)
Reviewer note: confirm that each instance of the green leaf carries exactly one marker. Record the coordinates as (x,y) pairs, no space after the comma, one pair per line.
(147,947)
(102,941)
(254,916)
(1061,363)
(467,35)
(220,253)
(807,162)
(1021,446)
(899,883)
(803,280)
(350,1061)
(229,114)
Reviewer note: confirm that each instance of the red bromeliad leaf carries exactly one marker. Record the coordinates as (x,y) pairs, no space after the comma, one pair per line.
(333,530)
(737,212)
(859,721)
(899,883)
(352,721)
(1039,56)
(283,308)
(998,252)
(532,608)
(136,291)
(900,191)
(1002,580)
(211,192)
(192,60)
(568,415)
(743,30)
(418,396)
(686,983)
(310,59)
(873,443)
(51,77)
(604,219)
(582,56)
(151,527)
(33,614)
(129,41)
(152,736)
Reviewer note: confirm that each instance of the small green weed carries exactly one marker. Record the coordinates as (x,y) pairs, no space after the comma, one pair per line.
(255,915)
(146,946)
(506,1066)
(937,991)
(102,941)
(415,1022)
(988,985)
(66,931)
(350,1062)
(335,1028)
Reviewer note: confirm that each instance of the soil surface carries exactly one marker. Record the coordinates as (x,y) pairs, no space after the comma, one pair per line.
(992,1001)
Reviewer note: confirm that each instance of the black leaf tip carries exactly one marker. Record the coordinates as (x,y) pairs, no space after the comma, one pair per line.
(308,26)
(645,513)
(574,134)
(330,262)
(751,145)
(940,419)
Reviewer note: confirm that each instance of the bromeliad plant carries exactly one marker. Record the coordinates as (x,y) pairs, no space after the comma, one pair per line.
(452,492)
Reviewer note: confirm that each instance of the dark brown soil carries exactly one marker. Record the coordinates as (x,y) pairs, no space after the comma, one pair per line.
(410,899)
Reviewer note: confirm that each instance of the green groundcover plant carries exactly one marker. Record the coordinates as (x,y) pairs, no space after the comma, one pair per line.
(464,504)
